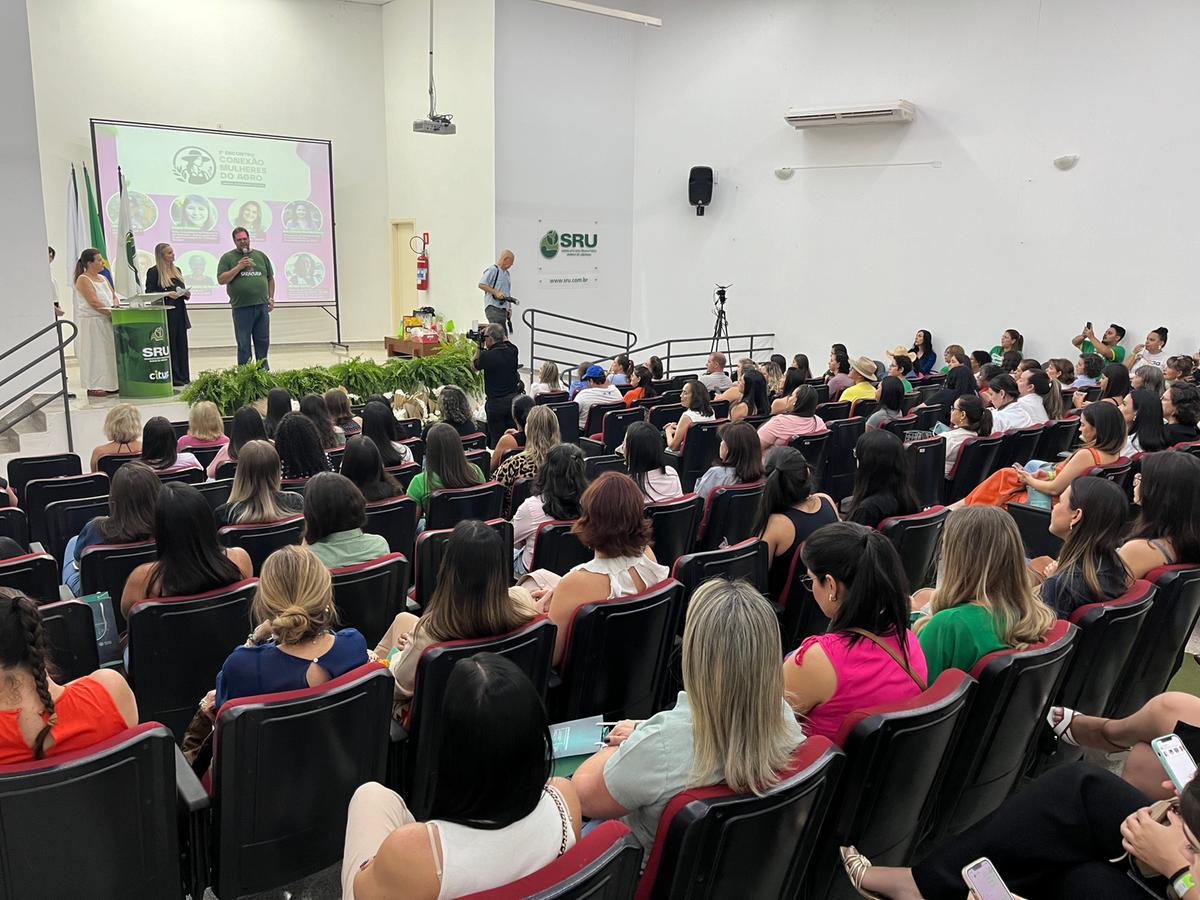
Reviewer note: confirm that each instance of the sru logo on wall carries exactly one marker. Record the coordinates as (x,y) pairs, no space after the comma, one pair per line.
(571,243)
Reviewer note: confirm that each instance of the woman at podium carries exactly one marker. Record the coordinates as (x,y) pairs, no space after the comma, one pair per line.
(94,300)
(165,276)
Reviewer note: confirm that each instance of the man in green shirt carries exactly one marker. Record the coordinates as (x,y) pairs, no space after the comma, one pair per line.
(249,280)
(1109,349)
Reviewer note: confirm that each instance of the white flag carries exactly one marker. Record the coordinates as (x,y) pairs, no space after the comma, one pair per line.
(77,229)
(124,257)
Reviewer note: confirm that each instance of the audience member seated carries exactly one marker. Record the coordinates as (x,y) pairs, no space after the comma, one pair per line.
(379,424)
(1062,371)
(733,393)
(1167,530)
(772,374)
(981,604)
(334,515)
(983,378)
(1179,368)
(301,451)
(981,358)
(40,718)
(1172,712)
(643,386)
(1143,414)
(514,438)
(863,381)
(1010,341)
(256,496)
(901,366)
(891,403)
(205,427)
(715,378)
(730,724)
(968,418)
(1010,362)
(739,459)
(883,481)
(247,426)
(839,378)
(1028,407)
(655,365)
(1150,352)
(471,601)
(1114,386)
(791,511)
(643,452)
(1028,363)
(364,467)
(619,369)
(782,403)
(612,524)
(697,408)
(131,502)
(293,645)
(924,355)
(868,656)
(313,407)
(579,383)
(541,434)
(1181,406)
(456,411)
(1102,433)
(190,559)
(446,465)
(801,366)
(279,404)
(954,354)
(554,497)
(1089,519)
(1107,348)
(547,381)
(338,403)
(158,448)
(598,390)
(496,814)
(800,418)
(1088,370)
(123,428)
(1148,378)
(959,383)
(1064,835)
(752,399)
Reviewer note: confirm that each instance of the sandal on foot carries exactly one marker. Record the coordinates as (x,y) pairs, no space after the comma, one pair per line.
(855,866)
(1062,731)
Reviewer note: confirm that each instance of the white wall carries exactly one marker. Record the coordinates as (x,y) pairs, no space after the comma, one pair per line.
(446,183)
(312,68)
(565,102)
(25,300)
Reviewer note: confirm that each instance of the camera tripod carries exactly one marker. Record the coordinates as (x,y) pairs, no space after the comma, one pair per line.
(721,326)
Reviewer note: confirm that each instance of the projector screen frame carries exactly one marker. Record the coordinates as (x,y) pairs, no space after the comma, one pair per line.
(332,309)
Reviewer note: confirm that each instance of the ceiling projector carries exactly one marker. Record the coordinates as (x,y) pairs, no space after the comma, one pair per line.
(434,125)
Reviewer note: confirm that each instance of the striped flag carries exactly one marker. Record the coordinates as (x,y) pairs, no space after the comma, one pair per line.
(125,273)
(95,227)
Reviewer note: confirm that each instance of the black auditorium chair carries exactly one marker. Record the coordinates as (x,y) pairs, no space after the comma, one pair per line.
(900,427)
(595,418)
(1033,523)
(216,492)
(65,518)
(34,574)
(799,614)
(839,409)
(1057,437)
(14,524)
(264,538)
(840,465)
(699,452)
(177,646)
(917,538)
(431,546)
(522,490)
(608,462)
(260,842)
(675,524)
(744,845)
(974,463)
(730,515)
(395,519)
(548,397)
(557,548)
(568,421)
(110,463)
(814,448)
(41,492)
(71,636)
(23,469)
(747,560)
(186,476)
(928,459)
(368,595)
(665,414)
(613,426)
(106,567)
(447,507)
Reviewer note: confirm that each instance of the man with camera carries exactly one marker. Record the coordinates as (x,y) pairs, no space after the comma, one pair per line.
(496,285)
(496,357)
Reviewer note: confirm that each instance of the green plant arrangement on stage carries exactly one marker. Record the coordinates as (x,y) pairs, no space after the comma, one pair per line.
(230,389)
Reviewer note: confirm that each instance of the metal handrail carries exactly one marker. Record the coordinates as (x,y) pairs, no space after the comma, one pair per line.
(593,348)
(61,373)
(734,347)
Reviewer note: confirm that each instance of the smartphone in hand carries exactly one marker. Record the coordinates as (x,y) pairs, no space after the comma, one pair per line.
(1175,759)
(984,881)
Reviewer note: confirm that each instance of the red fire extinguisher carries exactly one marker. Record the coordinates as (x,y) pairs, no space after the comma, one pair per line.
(423,264)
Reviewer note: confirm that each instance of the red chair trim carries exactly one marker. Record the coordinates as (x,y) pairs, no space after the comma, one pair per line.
(367,668)
(946,684)
(131,545)
(26,557)
(667,583)
(1135,594)
(377,562)
(1058,631)
(1159,571)
(929,513)
(228,589)
(251,526)
(37,765)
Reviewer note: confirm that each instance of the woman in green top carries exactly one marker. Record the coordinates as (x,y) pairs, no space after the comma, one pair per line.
(1010,340)
(986,600)
(446,466)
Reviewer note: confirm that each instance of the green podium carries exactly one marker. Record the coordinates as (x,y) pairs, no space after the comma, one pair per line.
(143,350)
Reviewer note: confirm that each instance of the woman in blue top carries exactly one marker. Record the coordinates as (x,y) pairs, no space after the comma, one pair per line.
(924,355)
(294,645)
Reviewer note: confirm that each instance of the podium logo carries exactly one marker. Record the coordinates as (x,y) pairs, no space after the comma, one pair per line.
(193,165)
(156,353)
(569,243)
(157,334)
(549,245)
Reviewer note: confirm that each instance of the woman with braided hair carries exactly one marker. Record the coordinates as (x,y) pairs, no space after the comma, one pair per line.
(38,717)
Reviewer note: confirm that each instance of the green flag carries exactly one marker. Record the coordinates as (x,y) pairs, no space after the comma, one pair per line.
(95,227)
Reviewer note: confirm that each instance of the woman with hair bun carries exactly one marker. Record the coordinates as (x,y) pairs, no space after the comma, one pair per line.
(39,717)
(294,645)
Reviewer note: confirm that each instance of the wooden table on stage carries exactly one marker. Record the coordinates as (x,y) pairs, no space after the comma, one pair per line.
(399,347)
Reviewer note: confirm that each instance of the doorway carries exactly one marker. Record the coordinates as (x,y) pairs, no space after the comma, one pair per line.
(404,278)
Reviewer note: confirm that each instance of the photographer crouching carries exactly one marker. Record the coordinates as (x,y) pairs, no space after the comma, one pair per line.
(496,357)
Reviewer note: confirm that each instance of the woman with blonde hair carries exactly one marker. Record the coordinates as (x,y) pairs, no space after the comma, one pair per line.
(123,428)
(547,380)
(730,724)
(256,495)
(294,645)
(541,435)
(986,599)
(205,427)
(164,276)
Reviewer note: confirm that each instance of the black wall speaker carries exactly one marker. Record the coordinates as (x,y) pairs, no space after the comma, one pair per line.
(700,187)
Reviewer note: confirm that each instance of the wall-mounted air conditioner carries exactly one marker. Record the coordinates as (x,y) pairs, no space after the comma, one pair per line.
(900,111)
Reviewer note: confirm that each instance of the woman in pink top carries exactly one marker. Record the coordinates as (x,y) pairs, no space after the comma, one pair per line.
(869,656)
(205,427)
(778,430)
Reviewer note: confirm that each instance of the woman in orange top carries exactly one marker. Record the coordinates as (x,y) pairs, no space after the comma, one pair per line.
(643,386)
(39,718)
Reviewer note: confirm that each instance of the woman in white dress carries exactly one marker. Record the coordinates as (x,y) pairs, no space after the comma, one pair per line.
(94,300)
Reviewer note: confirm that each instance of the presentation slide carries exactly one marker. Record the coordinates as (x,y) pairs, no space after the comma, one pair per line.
(190,188)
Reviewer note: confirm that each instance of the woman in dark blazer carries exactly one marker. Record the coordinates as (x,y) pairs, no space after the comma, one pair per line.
(165,276)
